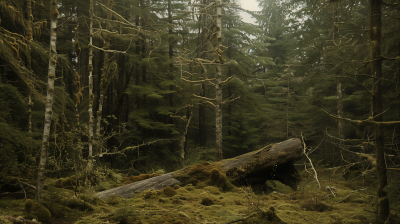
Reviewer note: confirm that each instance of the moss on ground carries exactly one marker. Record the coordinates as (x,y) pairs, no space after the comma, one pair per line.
(337,201)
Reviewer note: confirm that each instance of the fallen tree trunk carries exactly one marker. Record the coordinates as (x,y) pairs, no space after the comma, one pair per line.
(273,162)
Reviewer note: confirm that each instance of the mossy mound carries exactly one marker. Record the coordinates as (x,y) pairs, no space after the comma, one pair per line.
(212,190)
(207,201)
(132,179)
(37,211)
(76,182)
(29,205)
(196,173)
(189,187)
(76,203)
(114,200)
(182,190)
(151,194)
(169,191)
(318,207)
(220,180)
(43,214)
(125,216)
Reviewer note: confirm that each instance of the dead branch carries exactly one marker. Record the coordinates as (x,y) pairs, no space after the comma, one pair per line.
(204,98)
(306,154)
(199,81)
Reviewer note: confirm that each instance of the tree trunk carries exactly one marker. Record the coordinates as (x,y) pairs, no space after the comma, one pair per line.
(338,84)
(375,27)
(273,162)
(29,34)
(218,89)
(91,96)
(201,54)
(49,99)
(103,82)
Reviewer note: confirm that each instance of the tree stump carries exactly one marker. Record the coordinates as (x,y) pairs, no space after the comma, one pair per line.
(272,162)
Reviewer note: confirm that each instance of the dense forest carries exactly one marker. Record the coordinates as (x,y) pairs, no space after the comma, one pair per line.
(100,94)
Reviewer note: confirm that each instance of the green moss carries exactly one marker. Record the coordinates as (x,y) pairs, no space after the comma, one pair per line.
(189,187)
(201,185)
(43,214)
(125,216)
(76,203)
(318,207)
(169,191)
(212,190)
(182,190)
(207,201)
(29,206)
(114,200)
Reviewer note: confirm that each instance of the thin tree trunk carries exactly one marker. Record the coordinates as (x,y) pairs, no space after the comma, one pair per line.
(202,119)
(202,109)
(91,96)
(229,85)
(29,35)
(288,106)
(339,97)
(218,89)
(49,99)
(103,84)
(375,27)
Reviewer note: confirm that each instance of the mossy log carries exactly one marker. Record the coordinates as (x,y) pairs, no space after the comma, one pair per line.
(272,162)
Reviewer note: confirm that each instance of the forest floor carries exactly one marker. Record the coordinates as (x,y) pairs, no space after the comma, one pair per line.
(336,201)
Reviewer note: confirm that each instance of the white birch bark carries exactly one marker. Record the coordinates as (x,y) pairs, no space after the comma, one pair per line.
(49,99)
(218,90)
(91,96)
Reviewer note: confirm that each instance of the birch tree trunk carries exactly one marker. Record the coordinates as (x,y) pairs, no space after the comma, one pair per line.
(49,99)
(91,96)
(218,89)
(375,27)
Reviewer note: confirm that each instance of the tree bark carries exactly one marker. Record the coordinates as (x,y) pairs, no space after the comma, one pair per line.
(201,54)
(218,89)
(91,96)
(375,27)
(339,97)
(29,34)
(273,162)
(49,100)
(103,83)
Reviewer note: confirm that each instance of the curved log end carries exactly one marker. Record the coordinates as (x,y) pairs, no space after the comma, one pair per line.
(273,162)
